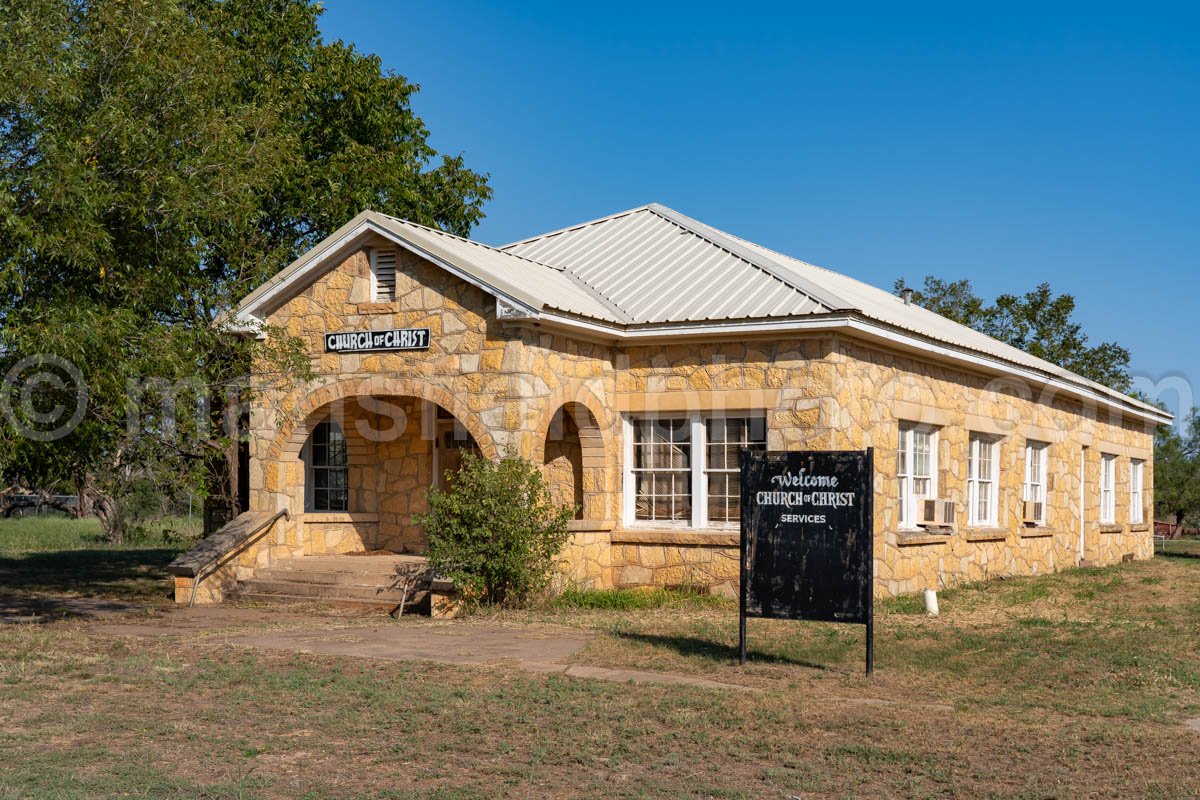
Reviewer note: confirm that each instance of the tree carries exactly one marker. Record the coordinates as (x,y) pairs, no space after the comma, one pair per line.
(158,160)
(1177,470)
(955,300)
(1037,322)
(497,531)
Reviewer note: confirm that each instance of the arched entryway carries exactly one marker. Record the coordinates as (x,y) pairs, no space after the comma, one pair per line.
(356,470)
(573,459)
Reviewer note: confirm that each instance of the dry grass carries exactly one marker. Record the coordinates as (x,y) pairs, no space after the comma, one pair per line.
(1064,686)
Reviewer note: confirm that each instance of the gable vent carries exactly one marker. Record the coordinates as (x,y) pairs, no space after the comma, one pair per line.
(383,270)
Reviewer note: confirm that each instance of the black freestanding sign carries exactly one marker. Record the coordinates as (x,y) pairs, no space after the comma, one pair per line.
(807,538)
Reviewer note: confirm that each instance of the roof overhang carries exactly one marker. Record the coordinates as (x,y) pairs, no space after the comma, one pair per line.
(249,318)
(862,327)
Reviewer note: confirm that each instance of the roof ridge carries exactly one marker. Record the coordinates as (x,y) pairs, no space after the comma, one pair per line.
(734,245)
(593,291)
(881,291)
(782,255)
(466,240)
(599,295)
(577,226)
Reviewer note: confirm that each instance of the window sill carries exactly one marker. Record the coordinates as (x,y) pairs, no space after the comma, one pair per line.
(986,535)
(712,538)
(1036,532)
(1107,527)
(338,516)
(1139,527)
(916,538)
(590,525)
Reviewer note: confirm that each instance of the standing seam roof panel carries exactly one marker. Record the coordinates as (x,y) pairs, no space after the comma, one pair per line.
(554,287)
(660,271)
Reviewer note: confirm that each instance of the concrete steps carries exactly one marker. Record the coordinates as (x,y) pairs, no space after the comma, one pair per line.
(373,582)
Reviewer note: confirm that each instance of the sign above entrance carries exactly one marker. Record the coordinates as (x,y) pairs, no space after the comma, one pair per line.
(375,341)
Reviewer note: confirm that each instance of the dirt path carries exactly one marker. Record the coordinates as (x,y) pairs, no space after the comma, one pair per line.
(533,649)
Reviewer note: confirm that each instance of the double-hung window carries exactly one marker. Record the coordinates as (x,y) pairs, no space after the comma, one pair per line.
(327,469)
(1034,489)
(982,487)
(1137,513)
(662,469)
(686,470)
(724,439)
(1108,504)
(916,469)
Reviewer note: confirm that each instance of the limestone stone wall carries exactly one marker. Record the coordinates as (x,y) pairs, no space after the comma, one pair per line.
(877,391)
(504,385)
(679,560)
(586,561)
(833,392)
(278,541)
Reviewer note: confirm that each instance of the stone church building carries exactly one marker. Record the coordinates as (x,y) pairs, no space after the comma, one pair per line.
(633,356)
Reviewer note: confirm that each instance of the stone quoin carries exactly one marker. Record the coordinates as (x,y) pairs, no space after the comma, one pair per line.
(632,357)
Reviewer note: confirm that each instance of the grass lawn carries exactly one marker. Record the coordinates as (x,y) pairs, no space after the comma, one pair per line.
(1065,686)
(68,557)
(1171,547)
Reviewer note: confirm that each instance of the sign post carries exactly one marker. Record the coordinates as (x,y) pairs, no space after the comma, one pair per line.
(807,541)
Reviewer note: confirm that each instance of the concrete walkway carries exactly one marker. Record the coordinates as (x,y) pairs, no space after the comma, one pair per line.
(540,650)
(464,643)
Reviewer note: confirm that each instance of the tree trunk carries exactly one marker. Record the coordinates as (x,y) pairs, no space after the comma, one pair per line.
(232,469)
(83,509)
(105,508)
(110,519)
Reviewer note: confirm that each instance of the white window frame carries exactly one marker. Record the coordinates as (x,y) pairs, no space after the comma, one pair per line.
(991,484)
(1108,489)
(1137,476)
(906,479)
(1036,461)
(698,467)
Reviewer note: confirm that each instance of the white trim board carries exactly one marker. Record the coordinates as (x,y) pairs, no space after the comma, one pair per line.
(867,329)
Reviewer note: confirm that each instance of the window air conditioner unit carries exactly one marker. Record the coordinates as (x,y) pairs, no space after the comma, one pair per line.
(1033,512)
(937,513)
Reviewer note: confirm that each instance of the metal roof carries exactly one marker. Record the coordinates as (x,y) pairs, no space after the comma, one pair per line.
(657,270)
(515,278)
(883,306)
(536,284)
(661,266)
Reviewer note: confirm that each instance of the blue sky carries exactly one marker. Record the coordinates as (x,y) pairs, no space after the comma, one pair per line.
(1009,144)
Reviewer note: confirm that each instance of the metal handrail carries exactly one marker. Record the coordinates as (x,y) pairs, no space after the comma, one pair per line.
(211,567)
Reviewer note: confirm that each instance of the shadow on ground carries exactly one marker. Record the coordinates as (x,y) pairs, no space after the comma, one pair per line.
(712,650)
(17,609)
(57,584)
(1176,554)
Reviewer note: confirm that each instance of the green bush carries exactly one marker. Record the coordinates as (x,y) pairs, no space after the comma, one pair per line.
(496,532)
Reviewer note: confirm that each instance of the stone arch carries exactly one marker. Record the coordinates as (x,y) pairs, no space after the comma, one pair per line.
(292,435)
